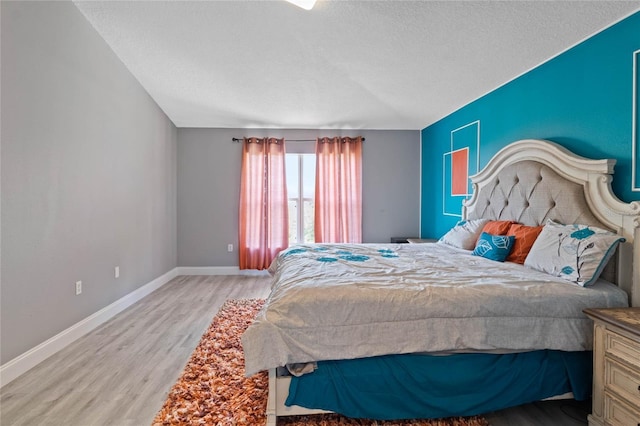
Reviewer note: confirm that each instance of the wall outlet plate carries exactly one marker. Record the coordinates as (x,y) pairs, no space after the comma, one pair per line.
(78,287)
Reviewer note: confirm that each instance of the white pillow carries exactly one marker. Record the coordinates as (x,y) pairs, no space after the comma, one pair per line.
(465,234)
(576,253)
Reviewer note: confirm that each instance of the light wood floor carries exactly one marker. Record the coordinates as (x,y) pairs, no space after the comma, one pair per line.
(120,373)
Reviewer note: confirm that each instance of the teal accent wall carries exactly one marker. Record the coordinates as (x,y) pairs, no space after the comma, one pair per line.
(582,99)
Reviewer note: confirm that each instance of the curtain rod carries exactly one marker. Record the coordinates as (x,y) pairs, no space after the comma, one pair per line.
(291,140)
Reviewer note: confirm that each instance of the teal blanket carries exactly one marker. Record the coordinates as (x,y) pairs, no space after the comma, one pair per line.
(428,386)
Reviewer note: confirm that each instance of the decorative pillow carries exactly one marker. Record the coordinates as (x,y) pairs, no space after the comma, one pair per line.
(494,247)
(525,237)
(576,253)
(465,234)
(497,227)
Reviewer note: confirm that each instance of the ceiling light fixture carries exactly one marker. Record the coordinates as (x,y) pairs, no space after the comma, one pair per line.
(305,4)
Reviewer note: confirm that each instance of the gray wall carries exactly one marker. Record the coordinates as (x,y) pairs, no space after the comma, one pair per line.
(88,175)
(209,185)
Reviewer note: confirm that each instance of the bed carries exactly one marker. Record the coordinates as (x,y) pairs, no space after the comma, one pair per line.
(397,330)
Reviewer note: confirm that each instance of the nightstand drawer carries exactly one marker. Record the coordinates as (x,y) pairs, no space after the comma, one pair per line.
(622,381)
(617,413)
(622,348)
(616,366)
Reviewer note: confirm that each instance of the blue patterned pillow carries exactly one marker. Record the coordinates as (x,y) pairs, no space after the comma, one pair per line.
(465,234)
(576,253)
(494,247)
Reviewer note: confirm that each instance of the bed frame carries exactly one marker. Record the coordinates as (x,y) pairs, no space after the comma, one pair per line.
(530,181)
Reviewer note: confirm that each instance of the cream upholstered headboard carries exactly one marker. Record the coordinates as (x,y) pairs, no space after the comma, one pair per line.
(530,181)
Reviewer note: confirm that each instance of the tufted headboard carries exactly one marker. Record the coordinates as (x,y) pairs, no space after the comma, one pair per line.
(530,181)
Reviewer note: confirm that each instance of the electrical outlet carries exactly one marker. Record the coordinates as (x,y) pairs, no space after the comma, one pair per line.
(117,272)
(78,287)
(229,248)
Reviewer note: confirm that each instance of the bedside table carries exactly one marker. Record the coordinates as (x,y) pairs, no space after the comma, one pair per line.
(421,240)
(399,240)
(616,367)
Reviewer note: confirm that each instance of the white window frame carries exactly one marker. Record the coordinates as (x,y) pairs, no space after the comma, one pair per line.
(299,148)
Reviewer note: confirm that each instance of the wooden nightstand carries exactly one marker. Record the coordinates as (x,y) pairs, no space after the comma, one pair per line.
(616,367)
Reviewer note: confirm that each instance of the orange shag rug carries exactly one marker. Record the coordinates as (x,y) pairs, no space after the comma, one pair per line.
(213,390)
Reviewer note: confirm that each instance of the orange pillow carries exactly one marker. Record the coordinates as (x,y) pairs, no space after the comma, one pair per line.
(525,237)
(497,227)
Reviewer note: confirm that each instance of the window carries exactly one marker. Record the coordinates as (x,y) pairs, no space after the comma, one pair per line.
(301,176)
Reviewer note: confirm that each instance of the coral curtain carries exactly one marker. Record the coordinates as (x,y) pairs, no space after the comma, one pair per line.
(338,203)
(264,221)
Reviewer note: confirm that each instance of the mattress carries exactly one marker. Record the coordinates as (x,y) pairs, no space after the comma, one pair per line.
(348,301)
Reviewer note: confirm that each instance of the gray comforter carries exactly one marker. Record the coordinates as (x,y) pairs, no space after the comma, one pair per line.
(337,301)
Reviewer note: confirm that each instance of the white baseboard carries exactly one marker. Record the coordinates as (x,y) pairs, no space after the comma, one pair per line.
(22,363)
(219,270)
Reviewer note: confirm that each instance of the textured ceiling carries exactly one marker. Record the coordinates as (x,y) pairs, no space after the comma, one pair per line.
(344,64)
